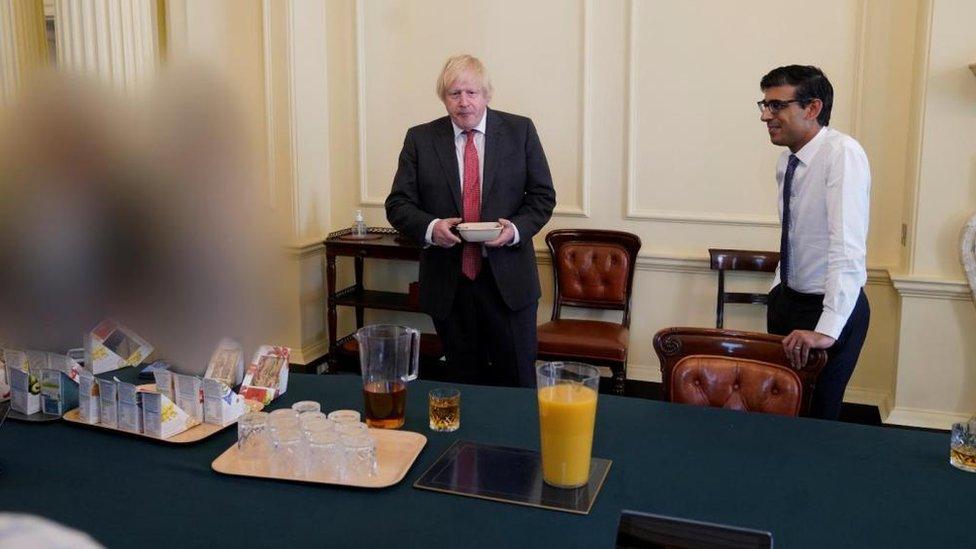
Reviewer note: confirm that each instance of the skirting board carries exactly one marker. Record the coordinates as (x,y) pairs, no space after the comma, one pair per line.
(928,419)
(311,352)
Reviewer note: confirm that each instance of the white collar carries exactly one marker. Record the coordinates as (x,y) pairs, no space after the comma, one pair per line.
(808,151)
(480,127)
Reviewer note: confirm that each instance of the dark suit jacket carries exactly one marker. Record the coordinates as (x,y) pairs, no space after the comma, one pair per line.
(517,186)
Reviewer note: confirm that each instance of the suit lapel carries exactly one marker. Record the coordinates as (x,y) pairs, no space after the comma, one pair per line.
(496,143)
(447,153)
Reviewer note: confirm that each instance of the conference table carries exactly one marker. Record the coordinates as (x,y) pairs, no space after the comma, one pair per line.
(811,483)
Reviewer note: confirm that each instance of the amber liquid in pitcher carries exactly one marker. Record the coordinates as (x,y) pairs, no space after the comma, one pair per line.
(386,403)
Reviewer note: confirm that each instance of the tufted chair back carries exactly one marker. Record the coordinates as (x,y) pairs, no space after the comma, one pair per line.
(593,268)
(736,383)
(732,369)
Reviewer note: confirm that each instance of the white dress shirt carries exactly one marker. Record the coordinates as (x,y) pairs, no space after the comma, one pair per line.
(829,214)
(460,142)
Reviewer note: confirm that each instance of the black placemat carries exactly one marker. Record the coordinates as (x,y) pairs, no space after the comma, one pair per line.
(509,475)
(36,417)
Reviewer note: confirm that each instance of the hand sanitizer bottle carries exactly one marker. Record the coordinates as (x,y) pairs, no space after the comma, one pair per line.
(359,224)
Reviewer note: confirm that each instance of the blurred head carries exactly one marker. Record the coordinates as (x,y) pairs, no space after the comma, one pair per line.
(797,101)
(465,89)
(143,212)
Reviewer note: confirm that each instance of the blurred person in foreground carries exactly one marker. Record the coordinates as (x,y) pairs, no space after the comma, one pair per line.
(141,210)
(476,164)
(817,300)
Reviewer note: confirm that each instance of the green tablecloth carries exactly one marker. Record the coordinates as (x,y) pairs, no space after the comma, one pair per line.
(812,483)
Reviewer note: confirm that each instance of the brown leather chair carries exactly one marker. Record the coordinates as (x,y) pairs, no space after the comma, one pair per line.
(592,269)
(738,370)
(739,260)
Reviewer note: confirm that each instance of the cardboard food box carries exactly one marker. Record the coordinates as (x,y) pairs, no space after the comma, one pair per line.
(59,393)
(25,392)
(108,403)
(4,378)
(227,363)
(88,397)
(221,405)
(267,375)
(162,418)
(59,384)
(164,383)
(111,346)
(189,395)
(130,407)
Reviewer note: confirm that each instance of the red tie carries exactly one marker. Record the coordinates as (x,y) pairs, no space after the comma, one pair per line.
(471,254)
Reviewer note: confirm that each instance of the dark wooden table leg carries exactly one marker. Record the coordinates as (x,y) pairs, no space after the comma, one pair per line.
(330,278)
(359,288)
(619,378)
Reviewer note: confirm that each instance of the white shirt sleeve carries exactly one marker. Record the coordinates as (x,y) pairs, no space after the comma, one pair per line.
(848,212)
(516,239)
(430,233)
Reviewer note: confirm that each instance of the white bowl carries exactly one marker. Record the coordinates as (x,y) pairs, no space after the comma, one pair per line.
(479,232)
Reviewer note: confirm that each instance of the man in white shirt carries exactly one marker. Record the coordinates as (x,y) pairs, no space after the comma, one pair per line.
(817,300)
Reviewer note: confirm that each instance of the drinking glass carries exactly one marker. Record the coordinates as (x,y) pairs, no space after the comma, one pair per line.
(308,430)
(349,428)
(253,438)
(288,458)
(358,456)
(324,455)
(444,409)
(344,416)
(303,406)
(283,412)
(567,393)
(313,418)
(962,446)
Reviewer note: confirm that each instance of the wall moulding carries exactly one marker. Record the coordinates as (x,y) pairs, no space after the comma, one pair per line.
(931,288)
(657,262)
(676,263)
(701,218)
(926,419)
(582,209)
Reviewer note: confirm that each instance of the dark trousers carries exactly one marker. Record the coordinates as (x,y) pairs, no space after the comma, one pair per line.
(791,310)
(484,341)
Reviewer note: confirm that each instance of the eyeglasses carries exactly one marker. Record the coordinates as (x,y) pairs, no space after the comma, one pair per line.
(776,105)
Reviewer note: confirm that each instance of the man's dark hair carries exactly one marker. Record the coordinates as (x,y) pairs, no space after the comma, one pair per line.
(811,83)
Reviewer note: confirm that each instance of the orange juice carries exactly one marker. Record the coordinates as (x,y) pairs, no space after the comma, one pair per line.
(567,412)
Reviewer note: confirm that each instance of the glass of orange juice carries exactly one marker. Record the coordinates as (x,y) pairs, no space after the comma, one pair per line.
(567,412)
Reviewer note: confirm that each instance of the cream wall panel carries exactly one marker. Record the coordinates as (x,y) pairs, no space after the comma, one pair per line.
(343,114)
(697,148)
(536,61)
(946,191)
(936,383)
(885,109)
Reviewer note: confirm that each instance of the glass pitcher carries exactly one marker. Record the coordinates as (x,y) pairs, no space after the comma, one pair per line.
(389,358)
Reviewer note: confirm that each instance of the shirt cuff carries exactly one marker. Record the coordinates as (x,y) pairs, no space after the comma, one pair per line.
(515,240)
(430,232)
(831,324)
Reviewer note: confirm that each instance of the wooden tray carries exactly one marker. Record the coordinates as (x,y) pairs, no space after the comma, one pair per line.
(395,453)
(193,434)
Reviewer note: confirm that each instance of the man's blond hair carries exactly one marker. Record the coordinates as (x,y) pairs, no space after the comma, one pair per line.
(457,65)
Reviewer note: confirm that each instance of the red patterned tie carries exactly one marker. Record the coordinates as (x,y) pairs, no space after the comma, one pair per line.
(471,254)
